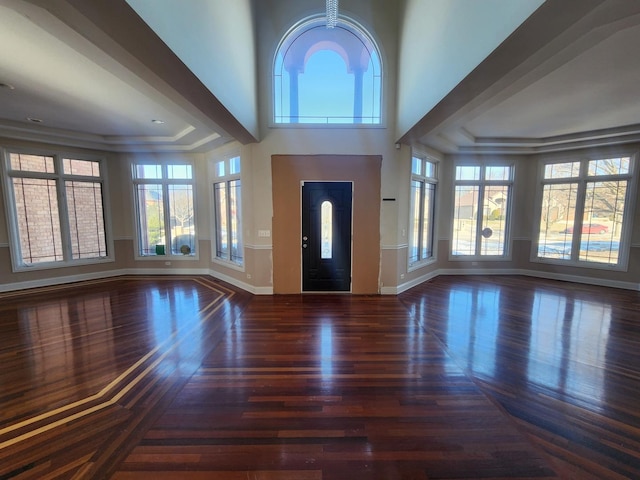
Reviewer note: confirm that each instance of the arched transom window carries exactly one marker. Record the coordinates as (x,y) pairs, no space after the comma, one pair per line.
(327,75)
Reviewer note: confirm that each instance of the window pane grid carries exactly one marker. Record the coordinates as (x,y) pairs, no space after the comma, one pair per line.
(562,170)
(556,223)
(322,77)
(421,226)
(427,222)
(494,222)
(176,172)
(422,204)
(481,204)
(58,209)
(143,171)
(602,222)
(235,220)
(234,166)
(464,224)
(81,168)
(31,163)
(467,173)
(228,221)
(86,219)
(38,218)
(222,230)
(150,218)
(609,166)
(414,243)
(165,209)
(581,221)
(181,213)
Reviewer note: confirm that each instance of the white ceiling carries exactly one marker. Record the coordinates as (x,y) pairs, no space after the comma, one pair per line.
(568,77)
(87,90)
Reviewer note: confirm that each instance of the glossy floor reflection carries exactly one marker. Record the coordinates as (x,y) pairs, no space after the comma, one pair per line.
(563,359)
(188,377)
(60,349)
(331,387)
(81,363)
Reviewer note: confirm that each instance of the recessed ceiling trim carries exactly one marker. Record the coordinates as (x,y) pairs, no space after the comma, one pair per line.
(444,139)
(526,55)
(40,134)
(613,135)
(149,138)
(531,147)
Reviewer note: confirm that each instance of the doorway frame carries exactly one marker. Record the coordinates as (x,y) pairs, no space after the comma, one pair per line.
(302,289)
(287,173)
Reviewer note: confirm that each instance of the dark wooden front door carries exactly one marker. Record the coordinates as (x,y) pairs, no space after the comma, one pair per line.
(326,236)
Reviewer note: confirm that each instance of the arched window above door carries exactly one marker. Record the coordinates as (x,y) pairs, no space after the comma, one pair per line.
(327,75)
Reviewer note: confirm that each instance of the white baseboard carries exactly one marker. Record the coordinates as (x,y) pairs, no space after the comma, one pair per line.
(403,287)
(393,290)
(601,282)
(244,286)
(52,281)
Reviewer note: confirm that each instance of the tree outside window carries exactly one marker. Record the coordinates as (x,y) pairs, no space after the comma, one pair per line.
(481,210)
(227,199)
(583,211)
(422,210)
(165,209)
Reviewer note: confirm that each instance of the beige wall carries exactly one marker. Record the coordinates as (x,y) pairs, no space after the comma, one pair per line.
(260,189)
(264,255)
(288,172)
(523,227)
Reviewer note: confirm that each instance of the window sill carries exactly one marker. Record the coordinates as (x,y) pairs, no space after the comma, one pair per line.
(188,258)
(584,265)
(328,126)
(479,258)
(228,264)
(421,264)
(61,265)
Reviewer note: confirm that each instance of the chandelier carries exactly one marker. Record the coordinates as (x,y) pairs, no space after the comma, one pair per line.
(332,13)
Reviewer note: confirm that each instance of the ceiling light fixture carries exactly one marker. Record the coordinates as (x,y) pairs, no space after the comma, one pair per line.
(157,121)
(34,120)
(332,13)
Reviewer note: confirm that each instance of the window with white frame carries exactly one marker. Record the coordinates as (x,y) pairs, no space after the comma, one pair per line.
(584,207)
(422,209)
(227,200)
(327,75)
(56,209)
(165,209)
(481,210)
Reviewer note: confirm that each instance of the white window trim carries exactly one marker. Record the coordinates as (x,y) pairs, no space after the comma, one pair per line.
(9,202)
(302,24)
(213,179)
(434,181)
(627,222)
(136,224)
(508,247)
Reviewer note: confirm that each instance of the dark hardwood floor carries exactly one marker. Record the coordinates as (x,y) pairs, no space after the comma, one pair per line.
(190,378)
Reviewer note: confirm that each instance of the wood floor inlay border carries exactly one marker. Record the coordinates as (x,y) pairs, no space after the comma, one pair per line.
(129,387)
